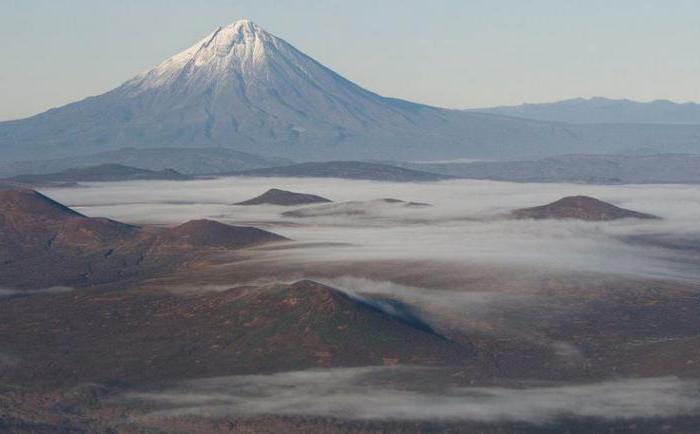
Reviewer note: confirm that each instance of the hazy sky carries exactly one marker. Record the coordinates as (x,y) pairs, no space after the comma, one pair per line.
(453,53)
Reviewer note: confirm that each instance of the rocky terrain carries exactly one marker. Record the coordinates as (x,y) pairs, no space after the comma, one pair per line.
(579,208)
(275,196)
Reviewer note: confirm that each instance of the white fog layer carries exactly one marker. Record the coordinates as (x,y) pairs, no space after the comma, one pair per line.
(467,223)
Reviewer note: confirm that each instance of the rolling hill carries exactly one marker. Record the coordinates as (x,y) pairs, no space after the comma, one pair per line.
(45,244)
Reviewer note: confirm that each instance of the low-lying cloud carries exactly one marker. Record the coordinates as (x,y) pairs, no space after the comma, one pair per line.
(359,394)
(466,223)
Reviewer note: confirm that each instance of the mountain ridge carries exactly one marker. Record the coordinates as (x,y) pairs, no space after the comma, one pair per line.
(99,173)
(578,168)
(189,161)
(603,110)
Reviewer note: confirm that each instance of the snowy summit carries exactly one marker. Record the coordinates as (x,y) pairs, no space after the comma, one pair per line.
(240,46)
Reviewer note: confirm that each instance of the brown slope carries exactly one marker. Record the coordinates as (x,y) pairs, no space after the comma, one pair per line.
(275,196)
(580,208)
(316,325)
(209,233)
(127,337)
(29,202)
(43,244)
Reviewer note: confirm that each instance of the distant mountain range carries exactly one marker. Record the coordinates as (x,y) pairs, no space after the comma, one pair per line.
(577,168)
(599,110)
(580,168)
(243,88)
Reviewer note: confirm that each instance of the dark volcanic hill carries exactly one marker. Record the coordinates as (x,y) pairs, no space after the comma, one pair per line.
(347,170)
(209,233)
(17,202)
(44,244)
(580,208)
(33,224)
(241,87)
(275,196)
(164,337)
(103,172)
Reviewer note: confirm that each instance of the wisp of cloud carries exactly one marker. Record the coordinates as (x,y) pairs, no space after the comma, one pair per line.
(351,393)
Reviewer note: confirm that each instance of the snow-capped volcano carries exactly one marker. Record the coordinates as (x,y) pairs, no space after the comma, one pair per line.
(254,86)
(241,49)
(243,88)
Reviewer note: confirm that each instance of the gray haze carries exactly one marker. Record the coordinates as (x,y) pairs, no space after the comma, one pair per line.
(467,223)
